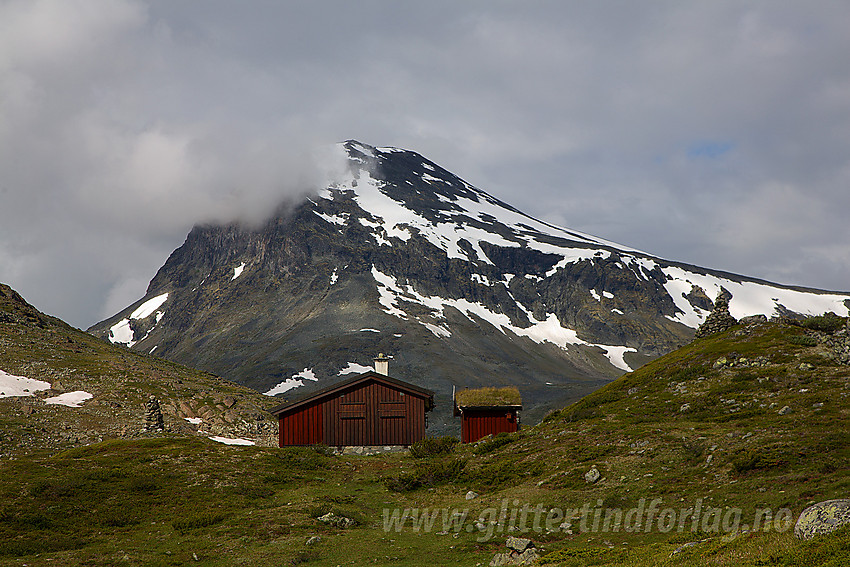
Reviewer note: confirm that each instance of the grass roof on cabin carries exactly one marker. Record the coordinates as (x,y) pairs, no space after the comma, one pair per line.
(482,397)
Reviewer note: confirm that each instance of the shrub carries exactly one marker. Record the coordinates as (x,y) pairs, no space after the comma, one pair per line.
(582,453)
(143,484)
(298,458)
(552,415)
(803,340)
(572,480)
(117,519)
(429,473)
(826,323)
(404,482)
(581,556)
(48,543)
(689,373)
(693,451)
(504,472)
(200,519)
(433,446)
(55,489)
(490,445)
(579,412)
(761,458)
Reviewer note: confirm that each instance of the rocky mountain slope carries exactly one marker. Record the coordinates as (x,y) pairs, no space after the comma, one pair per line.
(403,257)
(61,388)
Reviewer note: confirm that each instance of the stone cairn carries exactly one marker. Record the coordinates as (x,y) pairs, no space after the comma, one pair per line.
(719,319)
(153,415)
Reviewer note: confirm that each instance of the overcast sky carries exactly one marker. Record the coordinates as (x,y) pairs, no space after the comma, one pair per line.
(715,133)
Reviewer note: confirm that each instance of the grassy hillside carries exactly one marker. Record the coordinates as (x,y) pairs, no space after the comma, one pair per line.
(703,428)
(39,347)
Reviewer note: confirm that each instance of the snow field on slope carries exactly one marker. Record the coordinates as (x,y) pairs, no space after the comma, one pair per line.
(18,386)
(748,298)
(69,399)
(122,333)
(353,368)
(294,382)
(149,306)
(232,441)
(396,218)
(549,330)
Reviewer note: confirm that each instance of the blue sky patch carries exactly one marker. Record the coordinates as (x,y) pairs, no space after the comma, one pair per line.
(711,149)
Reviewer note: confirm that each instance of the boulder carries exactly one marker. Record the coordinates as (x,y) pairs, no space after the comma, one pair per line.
(822,518)
(519,544)
(520,551)
(187,410)
(592,475)
(753,320)
(336,520)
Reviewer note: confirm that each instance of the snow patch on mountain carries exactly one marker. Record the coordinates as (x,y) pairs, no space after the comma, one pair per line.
(748,298)
(122,333)
(149,306)
(232,441)
(69,399)
(439,331)
(353,368)
(295,381)
(237,271)
(18,386)
(393,295)
(341,220)
(395,219)
(598,297)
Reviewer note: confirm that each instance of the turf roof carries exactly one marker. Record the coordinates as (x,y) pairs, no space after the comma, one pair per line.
(488,397)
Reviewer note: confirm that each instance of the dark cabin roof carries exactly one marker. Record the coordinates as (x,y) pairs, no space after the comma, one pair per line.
(365,377)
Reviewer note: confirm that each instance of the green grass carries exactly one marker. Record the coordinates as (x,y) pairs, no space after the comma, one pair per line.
(178,500)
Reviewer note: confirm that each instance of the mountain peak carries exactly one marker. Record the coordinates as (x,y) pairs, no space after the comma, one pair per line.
(400,255)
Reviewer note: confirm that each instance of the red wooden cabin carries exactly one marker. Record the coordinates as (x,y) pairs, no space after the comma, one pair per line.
(487,411)
(368,409)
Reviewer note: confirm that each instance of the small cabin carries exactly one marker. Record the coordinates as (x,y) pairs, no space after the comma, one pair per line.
(367,410)
(487,411)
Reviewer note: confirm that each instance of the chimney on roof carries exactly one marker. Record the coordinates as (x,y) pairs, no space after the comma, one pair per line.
(382,364)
